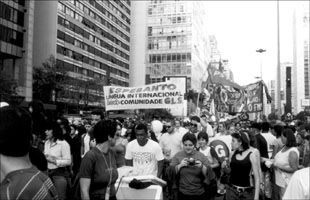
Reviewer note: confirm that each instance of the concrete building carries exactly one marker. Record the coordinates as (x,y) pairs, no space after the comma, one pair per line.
(300,69)
(138,43)
(177,41)
(16,37)
(283,68)
(272,91)
(89,39)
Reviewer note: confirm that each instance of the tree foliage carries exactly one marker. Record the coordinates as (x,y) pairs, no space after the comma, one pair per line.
(48,81)
(162,113)
(8,87)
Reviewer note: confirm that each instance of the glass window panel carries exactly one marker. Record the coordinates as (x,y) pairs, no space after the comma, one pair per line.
(164,58)
(179,57)
(168,57)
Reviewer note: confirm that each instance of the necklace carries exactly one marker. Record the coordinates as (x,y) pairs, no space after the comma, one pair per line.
(109,167)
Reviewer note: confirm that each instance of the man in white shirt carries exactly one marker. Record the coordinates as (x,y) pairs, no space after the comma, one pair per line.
(171,142)
(207,126)
(144,154)
(268,137)
(85,140)
(298,187)
(178,128)
(195,125)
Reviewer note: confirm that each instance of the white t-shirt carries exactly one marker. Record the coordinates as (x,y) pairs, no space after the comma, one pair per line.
(172,142)
(207,153)
(270,140)
(145,157)
(181,130)
(86,141)
(298,187)
(281,159)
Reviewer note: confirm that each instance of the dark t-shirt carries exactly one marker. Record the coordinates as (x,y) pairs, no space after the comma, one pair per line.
(27,184)
(95,167)
(191,177)
(262,147)
(38,159)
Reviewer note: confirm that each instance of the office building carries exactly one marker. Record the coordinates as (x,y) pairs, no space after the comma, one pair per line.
(90,40)
(300,68)
(138,44)
(16,37)
(177,41)
(283,82)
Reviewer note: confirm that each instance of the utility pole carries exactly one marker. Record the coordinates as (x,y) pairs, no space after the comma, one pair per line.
(279,65)
(261,51)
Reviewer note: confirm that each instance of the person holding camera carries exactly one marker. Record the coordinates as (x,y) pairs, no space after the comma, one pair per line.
(191,168)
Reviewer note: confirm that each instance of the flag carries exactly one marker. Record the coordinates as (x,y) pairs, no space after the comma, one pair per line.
(269,98)
(217,77)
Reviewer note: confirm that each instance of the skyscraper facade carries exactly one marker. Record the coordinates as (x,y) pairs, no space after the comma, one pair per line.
(177,41)
(89,39)
(16,37)
(300,68)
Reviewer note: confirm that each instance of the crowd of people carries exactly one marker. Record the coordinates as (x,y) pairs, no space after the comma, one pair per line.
(199,159)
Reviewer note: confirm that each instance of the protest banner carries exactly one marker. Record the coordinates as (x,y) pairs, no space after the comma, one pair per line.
(230,100)
(254,97)
(158,95)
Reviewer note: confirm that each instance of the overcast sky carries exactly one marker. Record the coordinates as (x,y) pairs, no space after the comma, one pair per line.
(242,27)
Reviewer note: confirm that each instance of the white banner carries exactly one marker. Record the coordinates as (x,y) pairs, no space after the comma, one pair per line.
(158,95)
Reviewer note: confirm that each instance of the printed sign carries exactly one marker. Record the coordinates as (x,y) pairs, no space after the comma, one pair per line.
(158,95)
(254,97)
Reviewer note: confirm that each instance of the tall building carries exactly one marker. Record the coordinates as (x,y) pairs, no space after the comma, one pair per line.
(138,43)
(16,37)
(177,41)
(272,91)
(227,71)
(89,39)
(300,69)
(283,69)
(215,53)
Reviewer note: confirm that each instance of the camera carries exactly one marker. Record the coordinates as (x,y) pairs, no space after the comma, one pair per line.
(191,161)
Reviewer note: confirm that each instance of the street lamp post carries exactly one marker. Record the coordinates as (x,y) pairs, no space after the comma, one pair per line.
(261,51)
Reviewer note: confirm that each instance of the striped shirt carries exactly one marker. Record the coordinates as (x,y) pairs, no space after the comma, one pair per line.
(27,184)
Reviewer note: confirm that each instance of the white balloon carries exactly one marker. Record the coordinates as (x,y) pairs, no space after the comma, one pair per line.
(157,126)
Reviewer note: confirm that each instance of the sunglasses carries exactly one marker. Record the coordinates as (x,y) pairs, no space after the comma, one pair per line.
(194,125)
(168,126)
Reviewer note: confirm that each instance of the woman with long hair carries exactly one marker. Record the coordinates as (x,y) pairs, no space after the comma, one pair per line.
(241,165)
(285,161)
(58,155)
